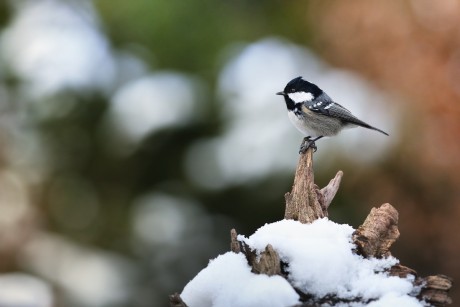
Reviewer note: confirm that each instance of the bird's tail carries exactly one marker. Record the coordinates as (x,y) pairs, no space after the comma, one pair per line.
(363,124)
(358,122)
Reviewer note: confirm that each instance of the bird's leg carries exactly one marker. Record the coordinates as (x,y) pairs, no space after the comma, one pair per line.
(312,144)
(305,144)
(308,143)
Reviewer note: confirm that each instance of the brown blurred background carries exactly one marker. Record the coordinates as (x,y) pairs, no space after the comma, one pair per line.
(412,49)
(135,134)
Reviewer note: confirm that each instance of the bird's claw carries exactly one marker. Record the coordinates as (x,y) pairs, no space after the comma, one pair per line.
(307,143)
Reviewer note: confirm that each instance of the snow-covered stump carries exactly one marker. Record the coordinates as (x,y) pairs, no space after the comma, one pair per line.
(307,260)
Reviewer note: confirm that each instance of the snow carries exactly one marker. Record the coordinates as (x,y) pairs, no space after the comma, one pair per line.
(320,262)
(393,299)
(153,102)
(55,45)
(19,289)
(228,281)
(335,268)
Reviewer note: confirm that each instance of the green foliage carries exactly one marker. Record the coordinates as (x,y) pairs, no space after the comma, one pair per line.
(190,35)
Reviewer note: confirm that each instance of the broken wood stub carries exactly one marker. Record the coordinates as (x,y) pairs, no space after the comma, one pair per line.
(401,271)
(268,263)
(435,290)
(306,202)
(327,193)
(235,245)
(378,232)
(176,301)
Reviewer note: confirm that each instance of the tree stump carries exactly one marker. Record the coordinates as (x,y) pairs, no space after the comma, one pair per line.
(306,203)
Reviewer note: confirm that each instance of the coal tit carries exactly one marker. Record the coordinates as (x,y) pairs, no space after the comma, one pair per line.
(315,114)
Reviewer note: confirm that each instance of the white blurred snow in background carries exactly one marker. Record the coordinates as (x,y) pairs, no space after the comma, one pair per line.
(89,277)
(23,290)
(54,45)
(152,102)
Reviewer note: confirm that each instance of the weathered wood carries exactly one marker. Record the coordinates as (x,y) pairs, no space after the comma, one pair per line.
(268,263)
(176,301)
(374,239)
(235,245)
(435,290)
(306,202)
(250,255)
(329,191)
(378,232)
(402,271)
(302,202)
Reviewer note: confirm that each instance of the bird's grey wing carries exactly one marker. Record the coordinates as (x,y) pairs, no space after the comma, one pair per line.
(330,108)
(333,109)
(340,112)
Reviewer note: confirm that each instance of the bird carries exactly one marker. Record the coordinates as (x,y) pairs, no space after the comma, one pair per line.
(315,114)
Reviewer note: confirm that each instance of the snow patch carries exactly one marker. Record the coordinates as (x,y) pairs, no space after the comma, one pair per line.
(320,261)
(228,281)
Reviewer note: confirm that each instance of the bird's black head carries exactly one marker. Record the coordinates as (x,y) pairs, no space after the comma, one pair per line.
(299,90)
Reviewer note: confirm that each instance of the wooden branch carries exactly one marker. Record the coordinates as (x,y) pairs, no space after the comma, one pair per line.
(329,191)
(378,232)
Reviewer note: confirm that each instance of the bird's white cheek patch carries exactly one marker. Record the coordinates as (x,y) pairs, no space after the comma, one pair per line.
(301,96)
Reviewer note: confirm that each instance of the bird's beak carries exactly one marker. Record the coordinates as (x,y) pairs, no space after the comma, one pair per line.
(280,93)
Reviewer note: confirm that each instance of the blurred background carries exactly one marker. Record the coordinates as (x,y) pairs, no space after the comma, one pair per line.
(135,134)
